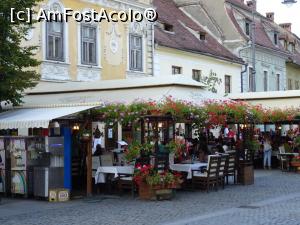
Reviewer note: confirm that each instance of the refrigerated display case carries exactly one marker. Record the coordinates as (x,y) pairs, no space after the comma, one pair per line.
(26,153)
(2,165)
(18,159)
(50,176)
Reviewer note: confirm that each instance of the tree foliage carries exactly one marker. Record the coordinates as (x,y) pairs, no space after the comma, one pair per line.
(17,62)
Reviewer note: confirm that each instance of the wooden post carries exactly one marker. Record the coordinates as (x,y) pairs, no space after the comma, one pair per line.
(89,168)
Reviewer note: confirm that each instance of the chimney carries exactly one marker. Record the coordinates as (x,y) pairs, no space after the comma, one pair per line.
(270,16)
(252,4)
(286,26)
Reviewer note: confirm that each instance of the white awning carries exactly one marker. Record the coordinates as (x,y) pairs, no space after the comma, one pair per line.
(36,117)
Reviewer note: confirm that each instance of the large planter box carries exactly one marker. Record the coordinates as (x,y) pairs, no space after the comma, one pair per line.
(147,192)
(246,174)
(296,165)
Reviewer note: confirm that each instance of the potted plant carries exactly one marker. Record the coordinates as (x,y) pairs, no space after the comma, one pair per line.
(296,163)
(133,152)
(175,149)
(154,185)
(85,134)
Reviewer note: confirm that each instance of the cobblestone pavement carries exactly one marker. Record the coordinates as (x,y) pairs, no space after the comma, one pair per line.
(274,199)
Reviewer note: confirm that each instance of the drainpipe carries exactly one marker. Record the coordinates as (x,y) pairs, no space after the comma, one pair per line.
(242,81)
(246,67)
(153,48)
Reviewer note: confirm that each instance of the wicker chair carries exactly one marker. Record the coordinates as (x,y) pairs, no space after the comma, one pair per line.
(209,178)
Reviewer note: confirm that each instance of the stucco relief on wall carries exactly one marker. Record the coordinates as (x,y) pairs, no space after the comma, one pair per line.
(113,45)
(88,73)
(55,71)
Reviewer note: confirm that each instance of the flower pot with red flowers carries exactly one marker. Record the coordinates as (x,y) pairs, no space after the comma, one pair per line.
(295,163)
(153,185)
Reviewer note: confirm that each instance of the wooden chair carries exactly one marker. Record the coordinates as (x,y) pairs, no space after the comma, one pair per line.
(95,164)
(284,161)
(224,160)
(162,162)
(126,182)
(107,159)
(230,170)
(209,178)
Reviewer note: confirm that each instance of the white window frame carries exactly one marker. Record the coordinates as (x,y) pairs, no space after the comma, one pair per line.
(249,23)
(177,67)
(65,37)
(88,63)
(290,84)
(266,72)
(142,69)
(193,75)
(230,84)
(278,81)
(61,54)
(98,43)
(251,89)
(297,85)
(276,40)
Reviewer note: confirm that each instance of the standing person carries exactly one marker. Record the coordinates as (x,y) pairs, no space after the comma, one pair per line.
(267,152)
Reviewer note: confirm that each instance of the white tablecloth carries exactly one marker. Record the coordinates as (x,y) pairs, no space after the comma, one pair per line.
(187,168)
(102,170)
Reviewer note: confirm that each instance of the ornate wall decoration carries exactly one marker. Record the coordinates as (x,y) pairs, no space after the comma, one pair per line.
(55,71)
(113,45)
(115,4)
(85,73)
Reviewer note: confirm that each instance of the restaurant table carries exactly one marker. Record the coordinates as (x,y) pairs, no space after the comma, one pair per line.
(116,170)
(187,168)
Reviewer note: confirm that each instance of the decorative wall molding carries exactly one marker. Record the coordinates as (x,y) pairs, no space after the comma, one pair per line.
(55,71)
(87,73)
(118,4)
(133,74)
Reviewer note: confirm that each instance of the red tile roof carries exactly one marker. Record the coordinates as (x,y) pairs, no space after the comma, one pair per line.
(261,36)
(183,38)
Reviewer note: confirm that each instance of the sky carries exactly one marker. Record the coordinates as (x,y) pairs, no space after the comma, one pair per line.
(283,14)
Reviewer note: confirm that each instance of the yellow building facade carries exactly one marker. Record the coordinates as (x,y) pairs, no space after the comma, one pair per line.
(293,76)
(78,51)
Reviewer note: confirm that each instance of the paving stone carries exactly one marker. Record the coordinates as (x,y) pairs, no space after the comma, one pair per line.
(273,199)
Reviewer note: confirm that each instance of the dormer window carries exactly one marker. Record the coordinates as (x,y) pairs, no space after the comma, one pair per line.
(285,45)
(291,47)
(202,36)
(276,38)
(247,28)
(168,27)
